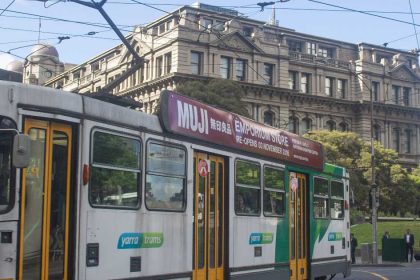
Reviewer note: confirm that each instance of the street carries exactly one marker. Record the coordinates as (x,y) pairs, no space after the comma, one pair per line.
(383,273)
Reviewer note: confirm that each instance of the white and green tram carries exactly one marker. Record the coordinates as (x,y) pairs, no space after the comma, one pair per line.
(93,190)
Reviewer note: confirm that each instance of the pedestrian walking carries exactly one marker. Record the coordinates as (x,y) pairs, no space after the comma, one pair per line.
(353,245)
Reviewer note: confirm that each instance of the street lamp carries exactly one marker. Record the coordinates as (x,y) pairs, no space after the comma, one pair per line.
(373,185)
(374,190)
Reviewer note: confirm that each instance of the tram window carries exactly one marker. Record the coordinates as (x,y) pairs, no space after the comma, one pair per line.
(115,171)
(337,200)
(6,184)
(273,192)
(248,188)
(321,198)
(165,177)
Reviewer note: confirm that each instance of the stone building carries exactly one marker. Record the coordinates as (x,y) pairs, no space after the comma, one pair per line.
(41,64)
(292,80)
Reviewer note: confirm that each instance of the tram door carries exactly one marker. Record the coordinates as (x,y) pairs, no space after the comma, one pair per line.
(298,229)
(44,226)
(209,217)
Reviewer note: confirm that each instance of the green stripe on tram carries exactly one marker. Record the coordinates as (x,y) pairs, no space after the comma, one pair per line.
(333,170)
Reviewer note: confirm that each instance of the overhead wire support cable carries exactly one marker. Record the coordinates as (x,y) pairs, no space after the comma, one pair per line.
(363,12)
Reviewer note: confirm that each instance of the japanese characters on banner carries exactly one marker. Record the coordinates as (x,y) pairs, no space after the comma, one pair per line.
(181,115)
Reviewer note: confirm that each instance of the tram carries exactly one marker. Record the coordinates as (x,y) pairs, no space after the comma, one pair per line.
(93,190)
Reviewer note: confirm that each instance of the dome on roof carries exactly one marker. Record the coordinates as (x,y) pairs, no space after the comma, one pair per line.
(15,66)
(43,49)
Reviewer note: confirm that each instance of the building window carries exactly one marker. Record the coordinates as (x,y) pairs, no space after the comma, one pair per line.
(408,141)
(196,63)
(311,48)
(330,125)
(169,25)
(146,70)
(329,86)
(168,62)
(247,188)
(76,75)
(295,46)
(343,127)
(162,28)
(341,88)
(225,63)
(159,66)
(396,139)
(115,171)
(247,31)
(269,118)
(325,52)
(377,132)
(292,80)
(274,192)
(321,198)
(305,81)
(396,94)
(206,23)
(406,96)
(268,74)
(95,66)
(305,126)
(241,69)
(294,125)
(375,91)
(166,176)
(379,57)
(219,25)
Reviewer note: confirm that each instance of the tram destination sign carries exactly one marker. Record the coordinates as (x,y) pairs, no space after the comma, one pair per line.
(188,117)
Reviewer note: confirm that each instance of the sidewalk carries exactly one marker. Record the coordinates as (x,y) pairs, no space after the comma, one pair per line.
(386,264)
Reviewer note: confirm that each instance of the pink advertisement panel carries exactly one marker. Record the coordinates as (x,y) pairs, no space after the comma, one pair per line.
(184,116)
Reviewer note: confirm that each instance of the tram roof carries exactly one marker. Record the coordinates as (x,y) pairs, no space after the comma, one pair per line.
(50,100)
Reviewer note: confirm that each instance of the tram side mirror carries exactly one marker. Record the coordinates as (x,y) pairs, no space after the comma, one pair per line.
(21,150)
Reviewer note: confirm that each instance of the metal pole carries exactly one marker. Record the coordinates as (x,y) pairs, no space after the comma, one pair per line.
(98,7)
(373,186)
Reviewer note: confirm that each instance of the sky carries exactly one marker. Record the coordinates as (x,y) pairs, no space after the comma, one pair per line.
(24,22)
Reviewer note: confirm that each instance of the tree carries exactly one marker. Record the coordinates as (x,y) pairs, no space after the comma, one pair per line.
(221,93)
(397,187)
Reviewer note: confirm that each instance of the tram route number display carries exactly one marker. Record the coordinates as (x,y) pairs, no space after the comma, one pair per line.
(184,116)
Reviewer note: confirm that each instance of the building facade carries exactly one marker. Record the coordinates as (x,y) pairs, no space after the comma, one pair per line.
(292,80)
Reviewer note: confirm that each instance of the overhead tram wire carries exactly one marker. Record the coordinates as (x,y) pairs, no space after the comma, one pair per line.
(5,9)
(398,39)
(320,10)
(414,26)
(365,13)
(57,33)
(36,16)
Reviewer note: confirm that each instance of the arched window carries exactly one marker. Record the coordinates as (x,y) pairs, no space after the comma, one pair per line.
(344,127)
(306,126)
(269,118)
(331,125)
(294,125)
